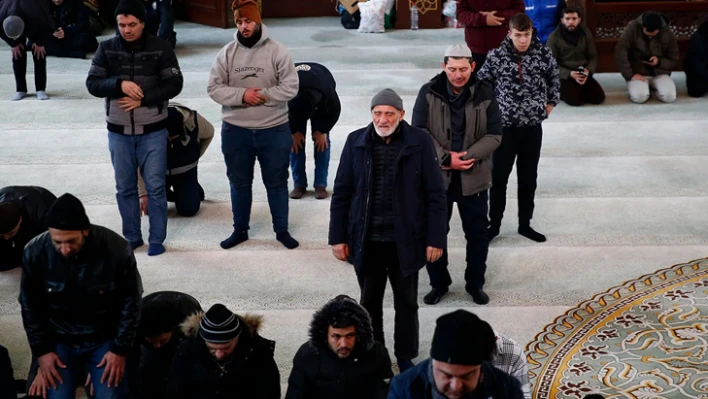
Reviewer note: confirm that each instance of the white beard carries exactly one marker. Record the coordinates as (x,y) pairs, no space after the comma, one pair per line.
(390,131)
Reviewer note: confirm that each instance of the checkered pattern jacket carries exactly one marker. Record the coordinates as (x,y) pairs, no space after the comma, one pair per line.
(511,359)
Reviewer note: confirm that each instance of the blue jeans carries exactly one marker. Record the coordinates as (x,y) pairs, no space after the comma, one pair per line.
(297,165)
(149,153)
(77,359)
(272,147)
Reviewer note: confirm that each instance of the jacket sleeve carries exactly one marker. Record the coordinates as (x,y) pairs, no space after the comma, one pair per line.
(555,49)
(205,135)
(167,20)
(592,53)
(436,197)
(34,317)
(384,373)
(288,81)
(342,196)
(7,379)
(671,58)
(420,120)
(487,72)
(467,16)
(171,80)
(131,287)
(517,7)
(218,87)
(271,383)
(98,82)
(552,80)
(81,24)
(298,381)
(493,136)
(622,50)
(324,120)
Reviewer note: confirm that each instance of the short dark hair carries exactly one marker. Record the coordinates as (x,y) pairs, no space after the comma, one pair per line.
(521,22)
(158,318)
(572,10)
(342,322)
(448,58)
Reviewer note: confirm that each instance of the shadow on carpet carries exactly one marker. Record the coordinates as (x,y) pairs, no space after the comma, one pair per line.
(647,338)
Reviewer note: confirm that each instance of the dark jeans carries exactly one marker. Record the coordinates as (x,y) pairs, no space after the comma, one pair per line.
(473,212)
(479,60)
(381,264)
(298,161)
(19,66)
(76,359)
(523,145)
(184,190)
(576,94)
(272,148)
(697,86)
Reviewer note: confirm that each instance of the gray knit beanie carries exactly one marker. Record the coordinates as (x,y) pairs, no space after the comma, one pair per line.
(14,26)
(387,97)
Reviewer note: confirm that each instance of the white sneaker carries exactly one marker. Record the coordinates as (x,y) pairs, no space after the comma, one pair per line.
(18,96)
(42,95)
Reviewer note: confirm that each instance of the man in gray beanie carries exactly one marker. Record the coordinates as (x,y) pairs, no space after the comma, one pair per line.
(27,24)
(389,216)
(75,319)
(459,365)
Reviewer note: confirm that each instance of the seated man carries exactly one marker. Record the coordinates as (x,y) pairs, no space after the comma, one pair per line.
(460,364)
(317,101)
(574,49)
(189,135)
(224,358)
(72,37)
(341,360)
(22,213)
(646,54)
(696,62)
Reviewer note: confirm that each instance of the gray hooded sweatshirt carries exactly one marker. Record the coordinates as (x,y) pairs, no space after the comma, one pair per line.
(267,65)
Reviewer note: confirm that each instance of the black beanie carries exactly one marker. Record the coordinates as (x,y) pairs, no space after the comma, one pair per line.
(10,215)
(652,21)
(462,338)
(220,325)
(135,8)
(68,213)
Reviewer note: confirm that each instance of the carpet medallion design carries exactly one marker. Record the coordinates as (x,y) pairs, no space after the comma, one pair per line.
(646,339)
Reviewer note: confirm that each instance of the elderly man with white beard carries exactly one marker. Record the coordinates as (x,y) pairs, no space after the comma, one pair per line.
(389,216)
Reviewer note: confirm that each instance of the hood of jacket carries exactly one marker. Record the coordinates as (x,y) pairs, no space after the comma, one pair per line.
(190,326)
(335,308)
(264,36)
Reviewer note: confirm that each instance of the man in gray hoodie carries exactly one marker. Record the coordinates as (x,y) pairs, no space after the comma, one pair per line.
(253,78)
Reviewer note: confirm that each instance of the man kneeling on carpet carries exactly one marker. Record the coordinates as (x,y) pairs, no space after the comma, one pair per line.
(224,358)
(341,360)
(460,364)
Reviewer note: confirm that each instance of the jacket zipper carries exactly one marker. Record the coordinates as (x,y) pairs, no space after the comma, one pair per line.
(369,166)
(132,79)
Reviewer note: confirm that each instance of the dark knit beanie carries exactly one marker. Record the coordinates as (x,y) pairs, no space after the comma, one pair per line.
(387,97)
(462,338)
(219,325)
(131,7)
(10,215)
(246,9)
(652,21)
(68,213)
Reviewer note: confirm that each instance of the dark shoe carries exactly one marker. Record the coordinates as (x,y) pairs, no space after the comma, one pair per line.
(435,295)
(298,192)
(531,234)
(321,192)
(287,240)
(136,244)
(478,296)
(234,239)
(405,364)
(156,249)
(492,232)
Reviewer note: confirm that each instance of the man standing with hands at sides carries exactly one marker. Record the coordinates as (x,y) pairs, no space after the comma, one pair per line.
(138,74)
(486,24)
(526,81)
(465,134)
(253,78)
(388,215)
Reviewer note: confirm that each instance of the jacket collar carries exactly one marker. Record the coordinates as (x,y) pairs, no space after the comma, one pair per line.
(405,130)
(439,86)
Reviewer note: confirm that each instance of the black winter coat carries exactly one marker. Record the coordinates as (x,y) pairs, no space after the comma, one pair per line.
(317,77)
(72,16)
(37,16)
(90,299)
(34,203)
(420,202)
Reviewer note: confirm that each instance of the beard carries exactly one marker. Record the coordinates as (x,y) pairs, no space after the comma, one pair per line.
(385,132)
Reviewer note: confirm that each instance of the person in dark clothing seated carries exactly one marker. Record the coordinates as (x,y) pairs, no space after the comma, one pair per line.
(341,360)
(317,101)
(460,364)
(696,62)
(72,37)
(22,213)
(224,358)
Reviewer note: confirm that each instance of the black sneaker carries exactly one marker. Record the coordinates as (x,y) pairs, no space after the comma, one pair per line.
(435,295)
(405,364)
(478,296)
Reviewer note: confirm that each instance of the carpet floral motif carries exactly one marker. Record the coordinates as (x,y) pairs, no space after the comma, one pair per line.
(646,339)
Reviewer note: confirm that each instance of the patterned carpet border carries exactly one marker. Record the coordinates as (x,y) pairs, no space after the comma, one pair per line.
(625,342)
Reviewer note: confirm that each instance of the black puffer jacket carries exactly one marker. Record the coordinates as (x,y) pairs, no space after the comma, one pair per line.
(318,373)
(34,202)
(36,15)
(89,299)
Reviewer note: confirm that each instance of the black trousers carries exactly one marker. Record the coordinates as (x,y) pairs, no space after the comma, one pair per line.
(19,66)
(523,145)
(575,94)
(697,86)
(473,212)
(381,264)
(184,190)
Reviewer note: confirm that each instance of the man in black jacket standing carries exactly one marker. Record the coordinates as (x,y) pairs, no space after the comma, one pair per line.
(137,74)
(388,216)
(80,297)
(27,25)
(72,37)
(341,360)
(22,213)
(465,134)
(317,100)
